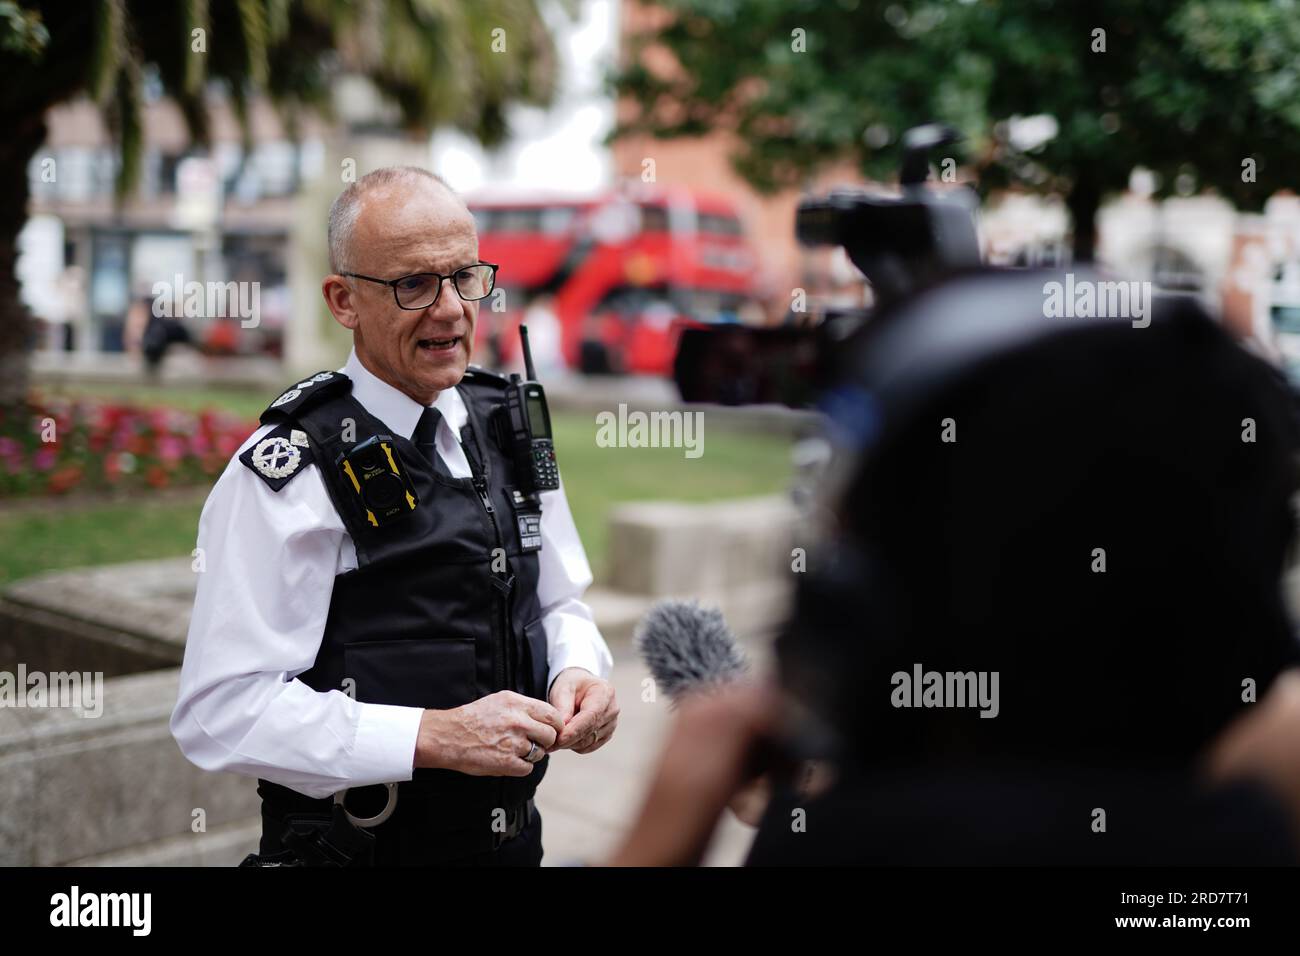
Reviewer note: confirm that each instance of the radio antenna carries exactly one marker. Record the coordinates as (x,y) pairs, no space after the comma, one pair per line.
(529,371)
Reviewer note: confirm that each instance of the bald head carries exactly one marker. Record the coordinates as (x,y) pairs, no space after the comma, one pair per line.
(380,183)
(404,223)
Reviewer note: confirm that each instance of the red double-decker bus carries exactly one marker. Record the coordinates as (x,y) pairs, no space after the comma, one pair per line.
(622,271)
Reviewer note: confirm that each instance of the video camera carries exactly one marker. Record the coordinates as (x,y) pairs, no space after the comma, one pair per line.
(901,242)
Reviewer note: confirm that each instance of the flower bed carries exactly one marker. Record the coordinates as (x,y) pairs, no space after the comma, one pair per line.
(54,446)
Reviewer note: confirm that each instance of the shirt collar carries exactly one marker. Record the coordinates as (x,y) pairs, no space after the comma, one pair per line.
(396,409)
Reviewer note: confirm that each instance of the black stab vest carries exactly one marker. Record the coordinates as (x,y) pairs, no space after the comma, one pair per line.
(440,611)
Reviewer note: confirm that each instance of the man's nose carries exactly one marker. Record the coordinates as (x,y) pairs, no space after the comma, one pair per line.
(449,304)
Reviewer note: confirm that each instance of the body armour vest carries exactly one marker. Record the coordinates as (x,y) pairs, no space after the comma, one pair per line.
(440,611)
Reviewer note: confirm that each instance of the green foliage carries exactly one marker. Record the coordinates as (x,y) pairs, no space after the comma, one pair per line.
(1188,89)
(434,60)
(21,31)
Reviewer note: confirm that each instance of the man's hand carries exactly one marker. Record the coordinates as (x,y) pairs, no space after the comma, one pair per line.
(588,709)
(489,737)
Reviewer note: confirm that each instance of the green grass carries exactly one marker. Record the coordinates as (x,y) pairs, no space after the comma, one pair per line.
(734,464)
(245,402)
(31,542)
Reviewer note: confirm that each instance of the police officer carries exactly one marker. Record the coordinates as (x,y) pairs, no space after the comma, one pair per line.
(379,602)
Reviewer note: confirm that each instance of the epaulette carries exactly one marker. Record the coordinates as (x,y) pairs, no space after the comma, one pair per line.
(304,394)
(477,375)
(279,455)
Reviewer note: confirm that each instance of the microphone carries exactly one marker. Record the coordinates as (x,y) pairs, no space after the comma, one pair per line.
(689,648)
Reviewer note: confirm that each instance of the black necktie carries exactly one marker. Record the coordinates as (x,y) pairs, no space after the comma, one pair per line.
(425,436)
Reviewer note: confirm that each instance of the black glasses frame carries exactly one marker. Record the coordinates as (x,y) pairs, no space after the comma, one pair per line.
(392,284)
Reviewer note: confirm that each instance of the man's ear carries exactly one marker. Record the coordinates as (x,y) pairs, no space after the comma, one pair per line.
(340,299)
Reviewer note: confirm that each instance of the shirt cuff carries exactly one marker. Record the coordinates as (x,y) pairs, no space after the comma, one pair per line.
(579,645)
(384,751)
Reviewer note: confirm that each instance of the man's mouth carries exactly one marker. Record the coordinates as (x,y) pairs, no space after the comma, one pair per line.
(439,345)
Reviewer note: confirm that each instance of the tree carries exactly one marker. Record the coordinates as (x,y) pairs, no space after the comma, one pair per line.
(439,63)
(1205,93)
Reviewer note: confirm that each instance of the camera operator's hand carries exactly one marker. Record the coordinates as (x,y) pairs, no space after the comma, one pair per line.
(703,767)
(490,737)
(749,803)
(1264,744)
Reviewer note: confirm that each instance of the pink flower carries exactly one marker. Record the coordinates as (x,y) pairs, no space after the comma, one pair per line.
(171,448)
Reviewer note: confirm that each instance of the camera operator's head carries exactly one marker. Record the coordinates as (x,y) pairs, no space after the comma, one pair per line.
(1096,512)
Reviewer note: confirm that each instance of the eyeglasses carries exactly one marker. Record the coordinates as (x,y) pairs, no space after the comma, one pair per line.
(422,289)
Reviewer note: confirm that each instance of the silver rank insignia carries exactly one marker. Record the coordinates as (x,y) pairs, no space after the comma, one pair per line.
(276,457)
(322,376)
(298,437)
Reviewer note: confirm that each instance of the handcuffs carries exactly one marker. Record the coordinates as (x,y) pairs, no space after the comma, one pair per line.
(368,822)
(339,840)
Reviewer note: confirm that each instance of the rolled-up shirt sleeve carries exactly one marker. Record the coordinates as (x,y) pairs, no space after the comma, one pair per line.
(265,566)
(572,638)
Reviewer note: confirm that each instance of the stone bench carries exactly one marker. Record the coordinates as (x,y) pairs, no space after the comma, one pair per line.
(77,788)
(735,554)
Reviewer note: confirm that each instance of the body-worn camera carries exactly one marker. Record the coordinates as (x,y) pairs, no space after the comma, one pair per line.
(383,489)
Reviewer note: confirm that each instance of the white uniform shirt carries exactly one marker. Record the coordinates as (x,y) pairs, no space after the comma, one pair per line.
(269,562)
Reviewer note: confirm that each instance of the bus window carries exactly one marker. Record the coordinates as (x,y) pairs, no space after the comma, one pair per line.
(719,225)
(518,220)
(654,219)
(557,219)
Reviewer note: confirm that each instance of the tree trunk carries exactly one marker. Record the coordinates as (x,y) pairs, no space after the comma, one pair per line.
(23,138)
(1083,201)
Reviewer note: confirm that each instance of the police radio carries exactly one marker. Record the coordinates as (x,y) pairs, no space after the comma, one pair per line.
(524,426)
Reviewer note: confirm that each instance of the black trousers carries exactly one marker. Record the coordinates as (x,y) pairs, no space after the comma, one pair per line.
(399,843)
(523,850)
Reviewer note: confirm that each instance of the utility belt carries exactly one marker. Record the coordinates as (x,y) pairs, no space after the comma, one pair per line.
(404,824)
